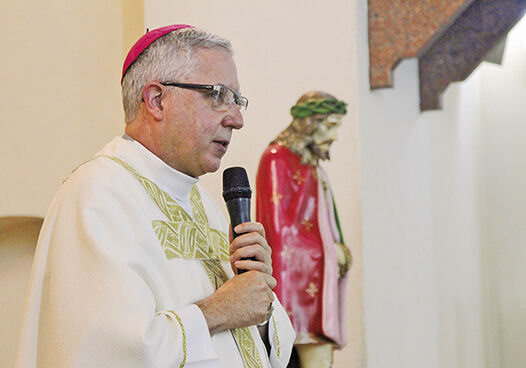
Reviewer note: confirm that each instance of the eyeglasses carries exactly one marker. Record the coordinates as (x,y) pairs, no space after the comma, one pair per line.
(223,97)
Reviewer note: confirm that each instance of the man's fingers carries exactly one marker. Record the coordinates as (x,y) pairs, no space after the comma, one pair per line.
(249,239)
(250,248)
(240,302)
(254,278)
(248,265)
(248,227)
(250,251)
(252,257)
(271,281)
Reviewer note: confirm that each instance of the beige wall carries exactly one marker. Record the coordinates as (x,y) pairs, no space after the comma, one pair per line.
(61,95)
(18,238)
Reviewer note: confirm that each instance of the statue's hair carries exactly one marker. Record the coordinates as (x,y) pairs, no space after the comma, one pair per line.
(306,126)
(170,57)
(314,96)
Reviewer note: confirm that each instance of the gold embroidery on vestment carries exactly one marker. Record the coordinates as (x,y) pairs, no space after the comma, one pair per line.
(277,338)
(181,236)
(185,348)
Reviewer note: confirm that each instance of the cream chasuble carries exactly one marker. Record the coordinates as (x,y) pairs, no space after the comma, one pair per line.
(127,247)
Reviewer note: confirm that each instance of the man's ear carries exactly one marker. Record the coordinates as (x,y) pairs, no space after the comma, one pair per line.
(152,95)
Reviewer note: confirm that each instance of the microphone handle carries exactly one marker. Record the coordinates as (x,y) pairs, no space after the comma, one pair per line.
(239,212)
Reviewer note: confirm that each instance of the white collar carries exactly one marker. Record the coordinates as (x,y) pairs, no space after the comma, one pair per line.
(174,182)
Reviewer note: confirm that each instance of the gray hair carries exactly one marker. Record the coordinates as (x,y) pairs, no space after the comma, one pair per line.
(170,57)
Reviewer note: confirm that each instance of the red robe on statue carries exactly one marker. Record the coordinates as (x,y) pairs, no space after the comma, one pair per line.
(295,206)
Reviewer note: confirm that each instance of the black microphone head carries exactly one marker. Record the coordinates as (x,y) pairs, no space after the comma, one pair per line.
(235,183)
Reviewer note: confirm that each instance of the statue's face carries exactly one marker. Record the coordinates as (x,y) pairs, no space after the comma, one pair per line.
(325,133)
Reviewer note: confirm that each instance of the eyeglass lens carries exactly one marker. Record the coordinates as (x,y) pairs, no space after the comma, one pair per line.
(224,98)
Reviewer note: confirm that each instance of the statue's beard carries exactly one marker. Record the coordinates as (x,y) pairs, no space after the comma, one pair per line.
(318,152)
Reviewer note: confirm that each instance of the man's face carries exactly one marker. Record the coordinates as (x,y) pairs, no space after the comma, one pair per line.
(194,136)
(324,134)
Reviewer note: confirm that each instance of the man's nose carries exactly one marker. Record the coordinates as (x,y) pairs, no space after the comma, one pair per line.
(234,118)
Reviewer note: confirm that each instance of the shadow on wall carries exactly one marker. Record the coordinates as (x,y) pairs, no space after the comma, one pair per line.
(18,239)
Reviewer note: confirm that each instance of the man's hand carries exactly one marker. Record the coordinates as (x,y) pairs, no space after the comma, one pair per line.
(251,244)
(245,299)
(242,301)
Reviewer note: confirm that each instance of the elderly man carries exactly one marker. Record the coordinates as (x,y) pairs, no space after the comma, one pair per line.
(295,204)
(133,266)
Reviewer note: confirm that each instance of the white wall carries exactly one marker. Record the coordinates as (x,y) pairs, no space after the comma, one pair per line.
(421,231)
(504,180)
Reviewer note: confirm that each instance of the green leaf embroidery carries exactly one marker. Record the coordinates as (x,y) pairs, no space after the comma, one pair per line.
(182,237)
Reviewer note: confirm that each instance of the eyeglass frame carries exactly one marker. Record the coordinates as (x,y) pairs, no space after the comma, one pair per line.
(212,87)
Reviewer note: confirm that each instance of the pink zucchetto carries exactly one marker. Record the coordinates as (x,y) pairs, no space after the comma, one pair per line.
(145,41)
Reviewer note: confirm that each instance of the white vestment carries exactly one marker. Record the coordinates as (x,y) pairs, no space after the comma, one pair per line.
(115,280)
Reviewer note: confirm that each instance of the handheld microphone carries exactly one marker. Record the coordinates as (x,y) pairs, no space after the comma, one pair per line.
(237,193)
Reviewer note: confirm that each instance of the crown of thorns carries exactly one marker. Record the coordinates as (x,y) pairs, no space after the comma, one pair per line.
(326,107)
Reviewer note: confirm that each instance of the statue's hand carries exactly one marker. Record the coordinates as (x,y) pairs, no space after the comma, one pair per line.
(344,257)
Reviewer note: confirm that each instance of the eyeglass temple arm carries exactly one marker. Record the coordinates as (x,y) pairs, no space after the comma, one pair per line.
(189,85)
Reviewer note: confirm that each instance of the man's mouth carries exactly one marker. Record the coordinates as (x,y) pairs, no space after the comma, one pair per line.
(222,142)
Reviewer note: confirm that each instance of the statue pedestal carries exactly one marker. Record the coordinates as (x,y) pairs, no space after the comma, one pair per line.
(315,355)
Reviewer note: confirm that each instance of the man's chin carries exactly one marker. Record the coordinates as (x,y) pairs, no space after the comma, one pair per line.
(212,165)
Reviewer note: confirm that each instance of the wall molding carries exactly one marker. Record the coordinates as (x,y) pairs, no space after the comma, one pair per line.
(450,39)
